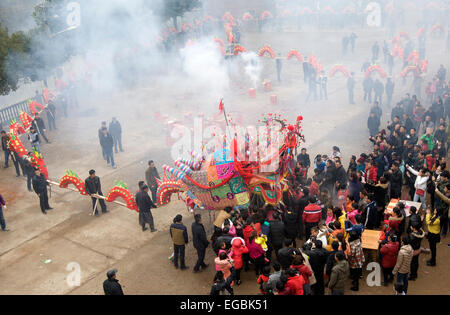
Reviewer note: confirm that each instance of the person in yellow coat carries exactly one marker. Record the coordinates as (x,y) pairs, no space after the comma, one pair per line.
(434,229)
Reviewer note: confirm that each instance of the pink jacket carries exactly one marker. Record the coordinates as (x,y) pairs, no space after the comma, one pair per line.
(224,266)
(255,250)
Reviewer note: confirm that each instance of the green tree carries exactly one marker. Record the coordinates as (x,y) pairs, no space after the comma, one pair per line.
(14,59)
(172,9)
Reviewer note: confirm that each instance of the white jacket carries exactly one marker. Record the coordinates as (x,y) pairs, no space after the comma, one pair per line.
(421,181)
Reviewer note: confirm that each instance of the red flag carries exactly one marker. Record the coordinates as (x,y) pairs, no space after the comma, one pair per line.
(221,106)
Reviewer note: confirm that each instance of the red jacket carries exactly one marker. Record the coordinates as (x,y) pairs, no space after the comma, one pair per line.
(295,284)
(389,252)
(247,231)
(371,174)
(312,214)
(237,249)
(313,189)
(304,271)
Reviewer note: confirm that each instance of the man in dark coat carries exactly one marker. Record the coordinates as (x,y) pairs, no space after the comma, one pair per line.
(51,115)
(373,123)
(276,235)
(111,286)
(40,188)
(116,132)
(306,70)
(330,177)
(39,125)
(145,205)
(100,133)
(303,157)
(395,178)
(200,242)
(28,170)
(291,224)
(93,186)
(107,143)
(368,87)
(151,174)
(397,111)
(318,259)
(341,174)
(375,51)
(378,89)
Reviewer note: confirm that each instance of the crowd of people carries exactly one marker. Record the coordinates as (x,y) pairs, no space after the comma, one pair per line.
(329,212)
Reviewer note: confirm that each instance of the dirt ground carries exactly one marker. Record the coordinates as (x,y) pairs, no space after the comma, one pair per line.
(70,233)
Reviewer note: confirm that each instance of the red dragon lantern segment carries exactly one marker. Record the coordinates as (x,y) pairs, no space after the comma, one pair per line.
(239,49)
(38,161)
(397,52)
(295,53)
(286,13)
(17,145)
(375,68)
(219,41)
(72,178)
(247,16)
(266,49)
(186,26)
(208,18)
(437,29)
(408,69)
(166,189)
(120,189)
(16,128)
(33,105)
(227,17)
(339,68)
(26,119)
(414,56)
(424,66)
(48,95)
(348,10)
(266,15)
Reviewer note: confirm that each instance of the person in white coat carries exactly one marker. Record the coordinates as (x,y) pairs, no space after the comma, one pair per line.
(420,185)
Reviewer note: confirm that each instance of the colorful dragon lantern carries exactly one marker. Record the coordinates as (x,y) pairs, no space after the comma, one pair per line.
(72,178)
(120,189)
(26,120)
(227,179)
(16,129)
(38,161)
(16,145)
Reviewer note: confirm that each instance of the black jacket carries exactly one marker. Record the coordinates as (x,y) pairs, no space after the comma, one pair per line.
(28,167)
(112,287)
(304,159)
(276,233)
(341,175)
(291,224)
(330,175)
(285,257)
(106,141)
(144,202)
(39,123)
(115,129)
(317,260)
(396,180)
(40,184)
(93,185)
(199,236)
